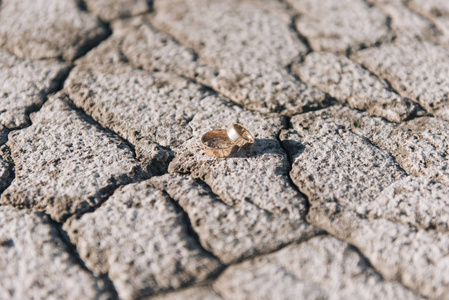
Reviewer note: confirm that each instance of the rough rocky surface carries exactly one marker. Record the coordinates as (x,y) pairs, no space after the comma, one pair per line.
(415,69)
(231,233)
(35,29)
(354,86)
(324,167)
(248,50)
(139,238)
(263,165)
(419,146)
(35,262)
(321,268)
(24,87)
(64,164)
(417,258)
(346,148)
(105,192)
(104,90)
(108,10)
(437,11)
(330,26)
(406,22)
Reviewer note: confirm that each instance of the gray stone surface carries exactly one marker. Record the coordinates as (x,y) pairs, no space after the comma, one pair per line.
(249,59)
(109,10)
(435,10)
(415,69)
(405,22)
(65,165)
(321,268)
(419,146)
(423,145)
(417,258)
(24,86)
(354,86)
(340,26)
(231,233)
(40,29)
(419,202)
(113,94)
(36,264)
(340,166)
(140,239)
(347,100)
(333,162)
(262,166)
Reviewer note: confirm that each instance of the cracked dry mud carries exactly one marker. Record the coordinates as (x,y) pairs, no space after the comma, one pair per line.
(105,192)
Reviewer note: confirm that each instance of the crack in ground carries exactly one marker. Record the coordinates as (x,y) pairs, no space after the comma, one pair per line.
(209,281)
(55,85)
(434,25)
(290,163)
(6,181)
(362,255)
(191,231)
(148,170)
(75,257)
(390,88)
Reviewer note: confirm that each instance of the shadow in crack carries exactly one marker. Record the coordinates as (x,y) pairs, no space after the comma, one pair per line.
(271,146)
(293,148)
(259,148)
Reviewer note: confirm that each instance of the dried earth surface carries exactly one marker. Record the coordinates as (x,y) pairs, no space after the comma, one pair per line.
(105,192)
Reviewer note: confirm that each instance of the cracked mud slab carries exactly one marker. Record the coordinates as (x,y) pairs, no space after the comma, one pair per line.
(231,233)
(320,268)
(330,26)
(140,239)
(36,264)
(40,29)
(257,174)
(417,258)
(347,102)
(415,69)
(348,168)
(65,165)
(419,146)
(405,22)
(24,86)
(175,112)
(435,10)
(247,49)
(354,86)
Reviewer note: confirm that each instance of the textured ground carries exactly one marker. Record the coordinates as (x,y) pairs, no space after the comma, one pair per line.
(106,194)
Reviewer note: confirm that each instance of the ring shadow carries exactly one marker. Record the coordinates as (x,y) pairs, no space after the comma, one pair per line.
(270,146)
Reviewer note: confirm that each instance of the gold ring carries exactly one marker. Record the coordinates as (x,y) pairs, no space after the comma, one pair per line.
(240,135)
(216,143)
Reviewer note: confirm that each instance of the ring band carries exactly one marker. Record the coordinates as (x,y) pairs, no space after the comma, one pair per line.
(240,135)
(216,143)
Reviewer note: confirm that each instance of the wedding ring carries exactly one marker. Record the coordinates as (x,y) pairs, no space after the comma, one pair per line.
(216,143)
(240,135)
